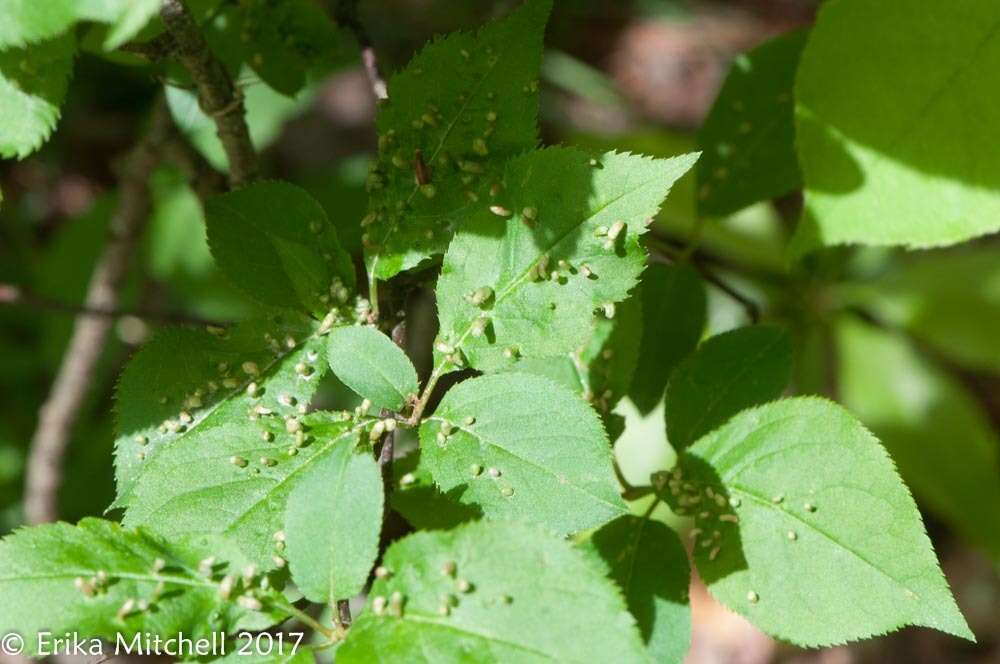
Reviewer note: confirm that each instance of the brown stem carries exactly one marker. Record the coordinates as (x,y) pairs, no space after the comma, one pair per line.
(217,95)
(60,411)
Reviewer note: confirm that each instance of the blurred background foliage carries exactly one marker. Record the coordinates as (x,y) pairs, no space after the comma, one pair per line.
(910,341)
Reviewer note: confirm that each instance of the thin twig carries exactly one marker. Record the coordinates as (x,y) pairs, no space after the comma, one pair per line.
(155,50)
(60,410)
(218,97)
(203,178)
(346,14)
(668,255)
(20,296)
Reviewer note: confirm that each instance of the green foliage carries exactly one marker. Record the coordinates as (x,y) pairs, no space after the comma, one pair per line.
(727,373)
(522,448)
(373,366)
(907,173)
(33,83)
(787,492)
(242,490)
(468,103)
(674,311)
(948,300)
(280,40)
(491,593)
(95,578)
(28,21)
(332,524)
(297,264)
(648,562)
(748,138)
(525,284)
(222,376)
(936,432)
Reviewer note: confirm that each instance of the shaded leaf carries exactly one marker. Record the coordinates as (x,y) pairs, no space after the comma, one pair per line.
(648,562)
(748,138)
(674,311)
(729,372)
(274,242)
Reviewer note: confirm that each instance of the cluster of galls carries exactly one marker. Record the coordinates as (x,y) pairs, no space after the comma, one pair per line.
(446,429)
(456,586)
(343,311)
(713,510)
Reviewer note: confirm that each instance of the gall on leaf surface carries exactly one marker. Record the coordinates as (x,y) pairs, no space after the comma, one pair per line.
(275,243)
(332,524)
(921,171)
(50,580)
(804,527)
(468,103)
(560,241)
(727,373)
(647,561)
(748,138)
(491,592)
(523,448)
(234,480)
(375,368)
(33,84)
(186,381)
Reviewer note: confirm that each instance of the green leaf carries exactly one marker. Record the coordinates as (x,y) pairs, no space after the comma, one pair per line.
(281,41)
(543,272)
(908,173)
(601,370)
(516,594)
(369,363)
(50,582)
(729,372)
(187,381)
(267,111)
(468,103)
(674,308)
(523,448)
(416,498)
(33,83)
(748,138)
(788,492)
(949,300)
(332,524)
(26,21)
(934,428)
(234,479)
(274,242)
(648,562)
